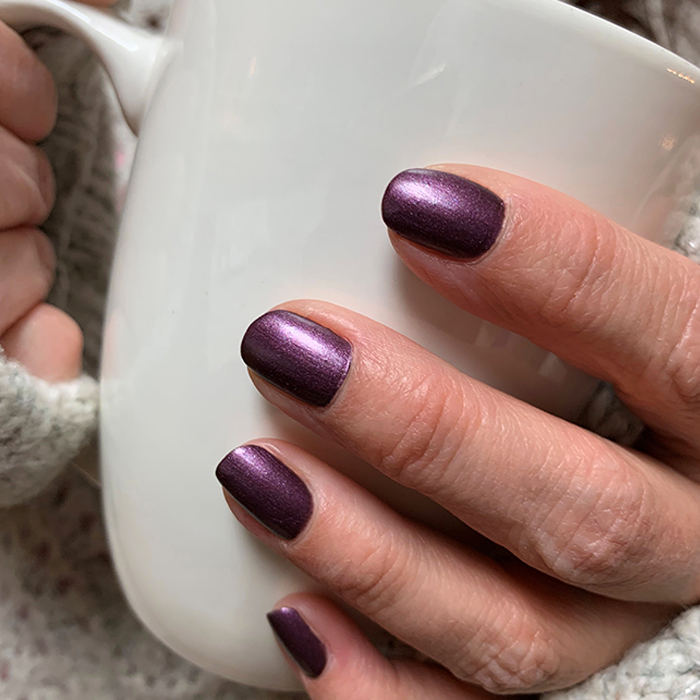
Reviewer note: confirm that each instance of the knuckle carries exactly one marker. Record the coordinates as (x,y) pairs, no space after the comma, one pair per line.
(606,536)
(27,185)
(374,578)
(428,434)
(34,187)
(516,656)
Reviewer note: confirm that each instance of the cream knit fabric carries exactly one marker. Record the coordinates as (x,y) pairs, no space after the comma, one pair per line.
(65,630)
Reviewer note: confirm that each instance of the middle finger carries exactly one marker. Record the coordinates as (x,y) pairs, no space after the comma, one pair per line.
(561,499)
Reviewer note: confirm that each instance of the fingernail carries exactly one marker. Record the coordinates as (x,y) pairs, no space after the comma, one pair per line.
(298,639)
(444,212)
(269,490)
(298,356)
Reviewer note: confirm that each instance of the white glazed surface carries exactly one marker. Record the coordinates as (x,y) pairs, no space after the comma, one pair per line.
(264,153)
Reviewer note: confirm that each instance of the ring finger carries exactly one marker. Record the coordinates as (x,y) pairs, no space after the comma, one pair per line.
(492,625)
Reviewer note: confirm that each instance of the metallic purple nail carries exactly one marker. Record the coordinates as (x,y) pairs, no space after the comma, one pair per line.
(269,490)
(444,212)
(298,356)
(298,639)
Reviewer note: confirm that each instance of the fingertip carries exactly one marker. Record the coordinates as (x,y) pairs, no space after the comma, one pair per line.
(39,102)
(325,647)
(47,343)
(345,665)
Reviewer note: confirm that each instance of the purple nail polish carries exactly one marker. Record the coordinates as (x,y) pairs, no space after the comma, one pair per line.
(298,639)
(444,212)
(269,490)
(298,356)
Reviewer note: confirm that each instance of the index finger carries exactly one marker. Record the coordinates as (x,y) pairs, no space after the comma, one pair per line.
(539,263)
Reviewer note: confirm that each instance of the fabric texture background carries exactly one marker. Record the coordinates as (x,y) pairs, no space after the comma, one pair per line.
(66,632)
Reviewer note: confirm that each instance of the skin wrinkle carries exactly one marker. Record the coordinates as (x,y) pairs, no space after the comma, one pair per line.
(378,407)
(680,366)
(642,275)
(517,538)
(535,543)
(493,458)
(594,552)
(385,575)
(538,481)
(562,305)
(591,271)
(426,437)
(525,216)
(516,654)
(482,640)
(663,283)
(391,584)
(474,416)
(386,608)
(683,431)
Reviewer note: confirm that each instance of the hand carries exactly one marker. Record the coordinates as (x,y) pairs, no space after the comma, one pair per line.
(603,539)
(42,338)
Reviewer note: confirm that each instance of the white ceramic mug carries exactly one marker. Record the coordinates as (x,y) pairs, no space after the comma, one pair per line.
(269,129)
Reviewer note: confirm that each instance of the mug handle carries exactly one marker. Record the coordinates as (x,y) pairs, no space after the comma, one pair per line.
(130,55)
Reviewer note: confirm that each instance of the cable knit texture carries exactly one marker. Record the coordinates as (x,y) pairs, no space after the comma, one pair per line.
(42,426)
(666,668)
(66,632)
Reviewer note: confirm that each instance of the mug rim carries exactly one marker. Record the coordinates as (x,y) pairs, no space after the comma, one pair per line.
(613,36)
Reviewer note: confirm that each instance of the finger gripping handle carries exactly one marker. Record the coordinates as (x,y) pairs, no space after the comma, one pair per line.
(129,54)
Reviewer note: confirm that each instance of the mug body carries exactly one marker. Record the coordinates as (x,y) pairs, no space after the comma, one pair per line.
(270,138)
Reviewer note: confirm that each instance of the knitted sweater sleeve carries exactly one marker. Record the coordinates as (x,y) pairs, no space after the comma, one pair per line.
(42,426)
(665,668)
